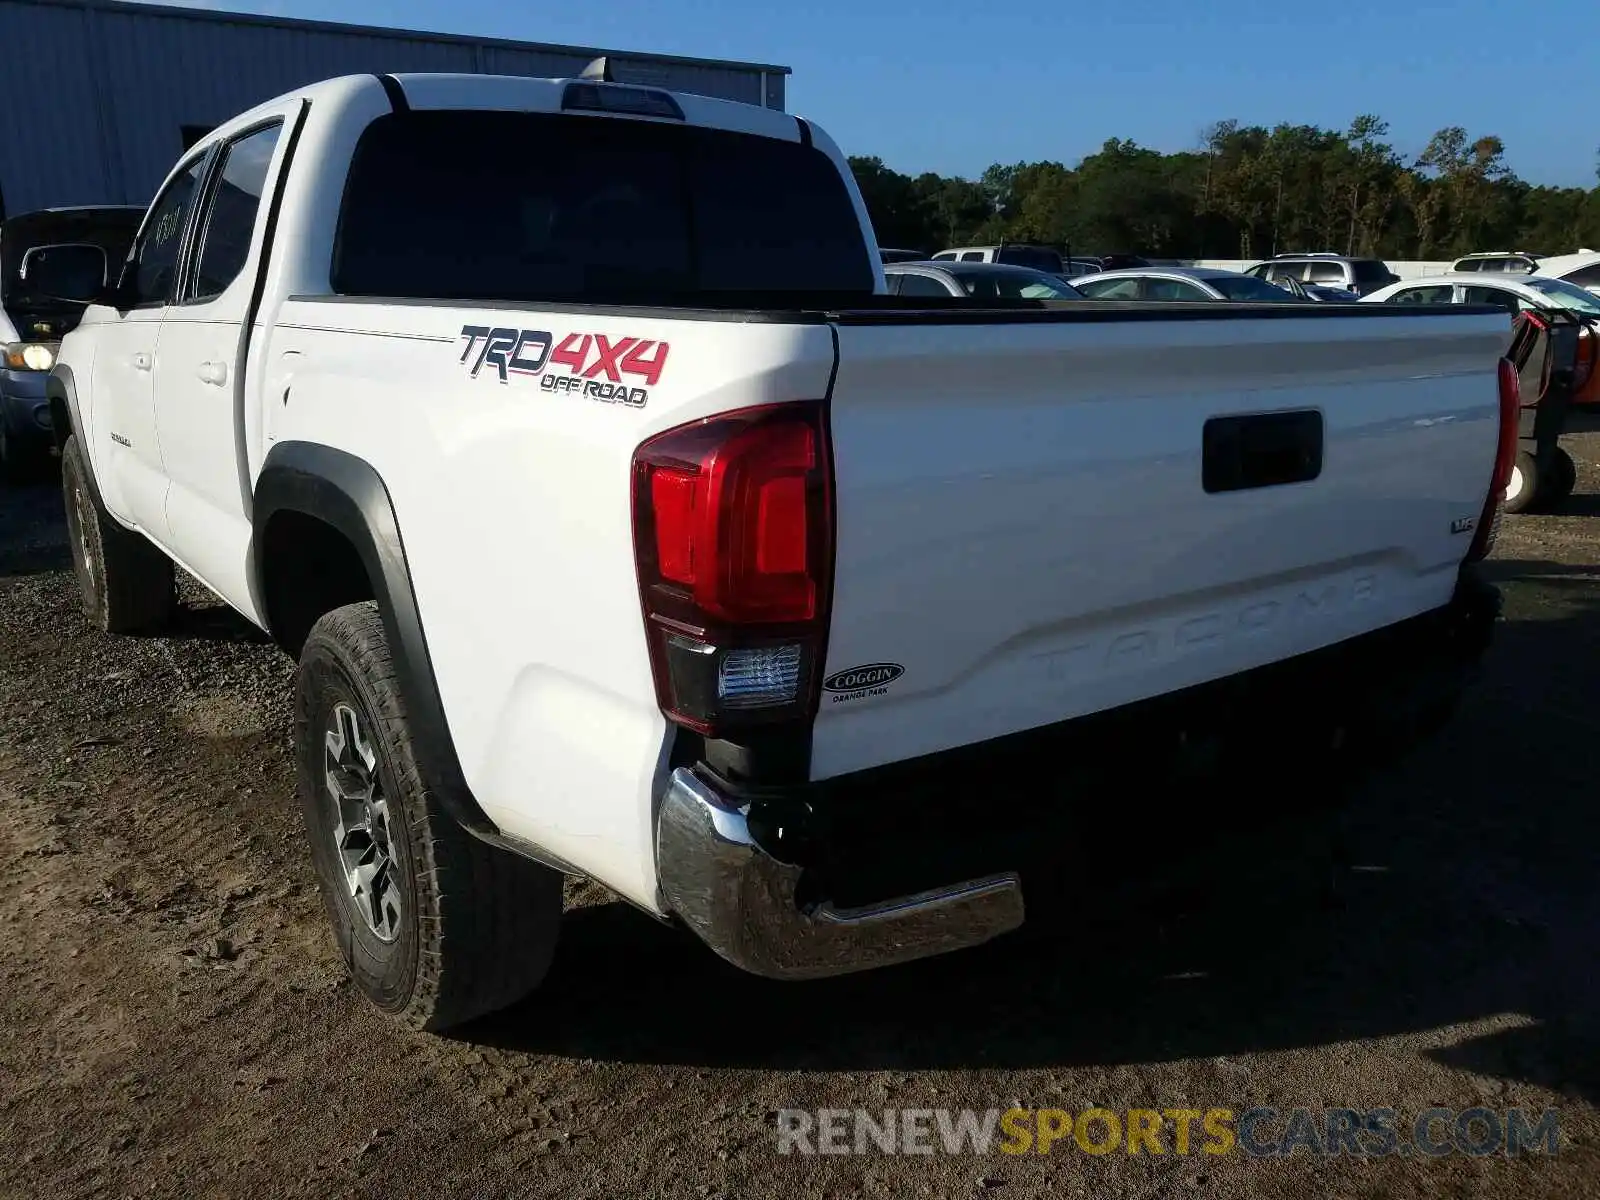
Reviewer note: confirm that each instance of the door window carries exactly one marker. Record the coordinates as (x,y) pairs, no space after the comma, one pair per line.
(1111,289)
(1587,277)
(1499,297)
(1172,289)
(231,218)
(1442,294)
(154,261)
(972,256)
(922,285)
(1325,272)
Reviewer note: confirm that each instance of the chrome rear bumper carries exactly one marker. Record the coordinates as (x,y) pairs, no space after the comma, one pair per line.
(740,899)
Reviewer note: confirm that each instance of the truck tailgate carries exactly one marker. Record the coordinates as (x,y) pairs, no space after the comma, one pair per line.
(1025,530)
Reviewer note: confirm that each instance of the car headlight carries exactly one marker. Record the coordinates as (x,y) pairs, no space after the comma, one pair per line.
(30,356)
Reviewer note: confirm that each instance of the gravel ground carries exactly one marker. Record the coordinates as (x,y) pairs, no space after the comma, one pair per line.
(174,1021)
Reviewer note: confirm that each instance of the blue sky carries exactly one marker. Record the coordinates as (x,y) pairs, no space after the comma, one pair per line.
(954,85)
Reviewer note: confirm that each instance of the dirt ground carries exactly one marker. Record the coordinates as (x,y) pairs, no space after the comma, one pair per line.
(174,1021)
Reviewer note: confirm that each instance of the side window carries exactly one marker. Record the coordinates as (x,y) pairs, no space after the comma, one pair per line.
(972,256)
(1471,264)
(1444,294)
(155,255)
(1488,295)
(1326,272)
(231,219)
(1172,289)
(1288,270)
(1588,277)
(922,285)
(1112,289)
(947,256)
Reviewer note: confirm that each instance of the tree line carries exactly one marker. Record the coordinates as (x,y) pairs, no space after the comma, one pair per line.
(1245,192)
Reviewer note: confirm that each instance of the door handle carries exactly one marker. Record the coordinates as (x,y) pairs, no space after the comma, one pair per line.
(214,373)
(141,361)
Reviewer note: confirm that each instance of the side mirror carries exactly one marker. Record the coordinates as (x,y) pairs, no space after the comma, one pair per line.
(74,272)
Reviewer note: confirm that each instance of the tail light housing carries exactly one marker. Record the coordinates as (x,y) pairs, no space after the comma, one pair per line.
(733,543)
(1583,367)
(1505,458)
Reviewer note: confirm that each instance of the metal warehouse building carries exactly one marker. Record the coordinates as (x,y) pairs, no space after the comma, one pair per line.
(99,98)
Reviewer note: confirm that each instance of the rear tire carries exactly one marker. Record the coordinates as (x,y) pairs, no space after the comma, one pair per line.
(127,584)
(435,926)
(1523,489)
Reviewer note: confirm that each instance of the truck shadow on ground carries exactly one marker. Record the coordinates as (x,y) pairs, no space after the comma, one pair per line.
(33,530)
(1456,887)
(1579,506)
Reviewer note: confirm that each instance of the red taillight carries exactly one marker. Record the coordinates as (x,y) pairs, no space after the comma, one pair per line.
(1584,366)
(1505,458)
(733,538)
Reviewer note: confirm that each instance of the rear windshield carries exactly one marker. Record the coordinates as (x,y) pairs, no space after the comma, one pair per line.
(1027,256)
(1370,270)
(535,206)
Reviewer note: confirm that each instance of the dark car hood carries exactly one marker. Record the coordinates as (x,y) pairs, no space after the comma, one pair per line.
(111,227)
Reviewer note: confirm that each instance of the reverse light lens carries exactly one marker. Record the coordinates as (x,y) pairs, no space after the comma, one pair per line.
(759,678)
(29,356)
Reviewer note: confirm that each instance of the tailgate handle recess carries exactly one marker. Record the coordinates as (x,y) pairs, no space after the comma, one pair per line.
(1260,450)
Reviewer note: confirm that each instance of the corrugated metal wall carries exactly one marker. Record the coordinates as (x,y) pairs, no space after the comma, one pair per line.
(93,99)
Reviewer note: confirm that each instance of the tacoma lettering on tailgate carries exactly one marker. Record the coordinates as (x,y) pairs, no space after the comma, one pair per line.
(1173,639)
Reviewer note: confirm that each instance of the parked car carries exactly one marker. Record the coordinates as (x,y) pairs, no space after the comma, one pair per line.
(1516,293)
(649,540)
(1073,267)
(1359,275)
(1321,293)
(1582,269)
(1040,258)
(982,281)
(1514,262)
(32,325)
(1182,283)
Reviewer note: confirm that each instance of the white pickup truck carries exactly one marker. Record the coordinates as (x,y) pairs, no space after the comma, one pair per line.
(624,527)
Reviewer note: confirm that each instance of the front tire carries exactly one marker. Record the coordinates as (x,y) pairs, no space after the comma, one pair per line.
(435,926)
(126,583)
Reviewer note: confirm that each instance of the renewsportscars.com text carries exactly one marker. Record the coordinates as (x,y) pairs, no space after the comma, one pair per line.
(1256,1132)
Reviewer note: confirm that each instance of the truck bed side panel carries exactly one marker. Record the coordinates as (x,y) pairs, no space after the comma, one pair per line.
(512,496)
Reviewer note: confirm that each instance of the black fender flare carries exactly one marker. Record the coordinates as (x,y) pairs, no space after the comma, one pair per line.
(348,494)
(61,390)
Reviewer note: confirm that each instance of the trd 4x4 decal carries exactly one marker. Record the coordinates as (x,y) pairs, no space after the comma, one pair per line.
(596,366)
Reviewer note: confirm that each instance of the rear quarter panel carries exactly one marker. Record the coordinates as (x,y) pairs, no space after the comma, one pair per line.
(513,506)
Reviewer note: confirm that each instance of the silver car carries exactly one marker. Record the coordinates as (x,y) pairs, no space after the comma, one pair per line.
(1193,284)
(982,281)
